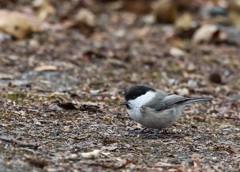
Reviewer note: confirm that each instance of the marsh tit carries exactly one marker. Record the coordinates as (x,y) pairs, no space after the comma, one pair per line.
(154,108)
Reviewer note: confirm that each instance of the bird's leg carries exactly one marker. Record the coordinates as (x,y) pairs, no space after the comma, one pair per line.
(141,131)
(164,131)
(155,133)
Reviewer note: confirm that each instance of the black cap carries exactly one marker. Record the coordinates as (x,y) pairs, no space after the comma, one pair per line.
(137,91)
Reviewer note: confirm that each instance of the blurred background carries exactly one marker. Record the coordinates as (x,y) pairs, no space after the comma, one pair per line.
(65,66)
(179,45)
(106,46)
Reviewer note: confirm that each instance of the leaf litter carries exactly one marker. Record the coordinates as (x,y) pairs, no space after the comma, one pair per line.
(61,90)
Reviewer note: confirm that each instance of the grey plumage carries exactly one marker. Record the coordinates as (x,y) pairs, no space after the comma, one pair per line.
(163,100)
(154,108)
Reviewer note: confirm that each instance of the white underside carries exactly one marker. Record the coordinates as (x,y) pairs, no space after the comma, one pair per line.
(150,118)
(153,119)
(137,103)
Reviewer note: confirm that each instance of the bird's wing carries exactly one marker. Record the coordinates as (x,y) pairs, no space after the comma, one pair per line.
(164,101)
(173,100)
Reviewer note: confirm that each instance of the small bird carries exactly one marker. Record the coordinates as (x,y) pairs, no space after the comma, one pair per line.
(154,108)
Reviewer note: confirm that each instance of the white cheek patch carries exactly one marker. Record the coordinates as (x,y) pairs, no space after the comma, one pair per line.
(143,99)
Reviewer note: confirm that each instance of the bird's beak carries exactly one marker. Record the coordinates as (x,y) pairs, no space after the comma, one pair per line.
(124,102)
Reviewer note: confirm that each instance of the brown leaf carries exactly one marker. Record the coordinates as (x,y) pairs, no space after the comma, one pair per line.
(67,105)
(215,78)
(207,34)
(85,16)
(15,24)
(6,76)
(90,107)
(93,154)
(165,11)
(41,163)
(44,8)
(176,52)
(112,147)
(137,6)
(45,68)
(184,21)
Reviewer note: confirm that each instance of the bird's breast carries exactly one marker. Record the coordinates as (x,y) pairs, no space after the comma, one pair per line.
(135,114)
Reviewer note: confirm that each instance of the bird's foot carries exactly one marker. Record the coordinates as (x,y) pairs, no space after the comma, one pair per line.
(155,133)
(147,133)
(138,131)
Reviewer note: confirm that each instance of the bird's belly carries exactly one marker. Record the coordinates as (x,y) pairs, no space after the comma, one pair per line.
(153,119)
(135,114)
(158,123)
(163,119)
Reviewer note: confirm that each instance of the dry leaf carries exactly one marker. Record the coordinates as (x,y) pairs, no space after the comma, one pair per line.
(137,6)
(111,147)
(46,68)
(182,91)
(215,78)
(93,154)
(164,164)
(6,76)
(66,105)
(208,33)
(44,8)
(85,16)
(233,17)
(84,20)
(19,25)
(14,24)
(90,107)
(176,52)
(184,21)
(190,67)
(165,11)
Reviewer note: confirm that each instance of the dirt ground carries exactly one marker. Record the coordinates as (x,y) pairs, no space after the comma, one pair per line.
(60,94)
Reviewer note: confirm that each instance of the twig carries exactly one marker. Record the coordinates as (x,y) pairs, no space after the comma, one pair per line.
(18,142)
(228,117)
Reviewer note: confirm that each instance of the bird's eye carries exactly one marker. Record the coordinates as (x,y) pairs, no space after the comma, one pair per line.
(128,107)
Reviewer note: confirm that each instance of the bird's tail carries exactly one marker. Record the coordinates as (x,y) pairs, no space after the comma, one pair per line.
(194,100)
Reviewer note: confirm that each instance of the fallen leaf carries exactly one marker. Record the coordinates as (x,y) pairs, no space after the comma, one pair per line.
(233,7)
(137,6)
(190,67)
(67,105)
(85,16)
(19,25)
(93,154)
(14,25)
(90,107)
(45,68)
(182,91)
(72,156)
(207,34)
(66,129)
(200,118)
(84,21)
(164,164)
(112,147)
(6,76)
(44,8)
(215,78)
(40,163)
(176,52)
(184,21)
(165,11)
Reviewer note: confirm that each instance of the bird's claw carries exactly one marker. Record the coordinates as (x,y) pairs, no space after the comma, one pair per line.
(136,131)
(156,134)
(146,133)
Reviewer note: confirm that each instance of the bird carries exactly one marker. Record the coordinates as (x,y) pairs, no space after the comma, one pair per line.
(154,108)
